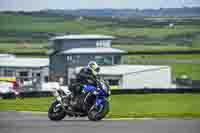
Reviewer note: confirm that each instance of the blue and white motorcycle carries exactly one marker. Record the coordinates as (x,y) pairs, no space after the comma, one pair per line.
(93,102)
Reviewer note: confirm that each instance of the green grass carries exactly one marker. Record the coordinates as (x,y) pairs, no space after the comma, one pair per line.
(150,105)
(27,23)
(155,105)
(23,47)
(153,48)
(178,70)
(18,24)
(27,104)
(191,70)
(171,56)
(155,32)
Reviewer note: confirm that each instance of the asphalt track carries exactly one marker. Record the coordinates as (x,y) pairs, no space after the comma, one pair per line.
(17,122)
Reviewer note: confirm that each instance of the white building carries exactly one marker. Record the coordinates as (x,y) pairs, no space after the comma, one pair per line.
(135,76)
(29,71)
(68,53)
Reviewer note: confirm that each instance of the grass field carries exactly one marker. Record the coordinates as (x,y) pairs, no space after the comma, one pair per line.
(191,70)
(22,23)
(142,47)
(23,47)
(25,23)
(178,70)
(150,105)
(14,26)
(153,32)
(171,56)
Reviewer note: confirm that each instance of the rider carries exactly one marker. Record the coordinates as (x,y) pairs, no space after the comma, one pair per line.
(87,75)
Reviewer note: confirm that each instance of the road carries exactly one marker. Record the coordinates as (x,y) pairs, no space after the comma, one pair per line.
(16,122)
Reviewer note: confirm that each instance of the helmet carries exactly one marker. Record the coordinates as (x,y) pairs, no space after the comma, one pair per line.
(94,67)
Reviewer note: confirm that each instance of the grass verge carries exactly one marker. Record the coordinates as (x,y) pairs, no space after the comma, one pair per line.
(125,106)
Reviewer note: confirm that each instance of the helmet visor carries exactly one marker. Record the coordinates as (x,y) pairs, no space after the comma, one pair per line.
(97,69)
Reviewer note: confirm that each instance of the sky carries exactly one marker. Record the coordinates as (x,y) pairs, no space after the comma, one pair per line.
(32,5)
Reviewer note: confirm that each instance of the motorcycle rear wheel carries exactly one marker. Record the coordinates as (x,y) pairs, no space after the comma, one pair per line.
(56,113)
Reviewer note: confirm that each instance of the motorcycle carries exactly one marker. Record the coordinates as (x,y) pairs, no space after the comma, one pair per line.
(92,102)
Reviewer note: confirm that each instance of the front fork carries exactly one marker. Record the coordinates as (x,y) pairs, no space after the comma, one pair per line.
(99,104)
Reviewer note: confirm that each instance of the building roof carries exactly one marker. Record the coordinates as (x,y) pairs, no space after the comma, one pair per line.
(24,62)
(126,69)
(2,56)
(93,51)
(82,36)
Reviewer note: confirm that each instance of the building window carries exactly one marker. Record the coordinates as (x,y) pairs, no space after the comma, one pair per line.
(104,60)
(38,74)
(8,73)
(103,43)
(1,72)
(69,58)
(46,79)
(117,59)
(113,82)
(23,74)
(78,57)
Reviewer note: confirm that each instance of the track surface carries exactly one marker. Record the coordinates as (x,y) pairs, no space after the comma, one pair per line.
(16,122)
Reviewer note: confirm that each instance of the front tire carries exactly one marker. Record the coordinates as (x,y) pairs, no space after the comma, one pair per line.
(56,112)
(95,115)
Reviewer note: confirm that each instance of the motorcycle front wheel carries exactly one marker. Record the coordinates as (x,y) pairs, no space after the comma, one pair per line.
(56,112)
(95,115)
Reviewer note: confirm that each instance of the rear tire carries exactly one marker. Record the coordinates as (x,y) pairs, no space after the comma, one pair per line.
(94,115)
(58,115)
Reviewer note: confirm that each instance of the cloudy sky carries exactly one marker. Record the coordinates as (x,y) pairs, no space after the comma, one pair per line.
(30,5)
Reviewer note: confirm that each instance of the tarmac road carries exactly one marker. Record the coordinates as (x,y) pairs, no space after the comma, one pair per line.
(17,122)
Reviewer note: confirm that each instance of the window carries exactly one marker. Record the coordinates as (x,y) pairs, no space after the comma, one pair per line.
(69,58)
(113,82)
(76,59)
(23,74)
(46,79)
(108,60)
(1,72)
(103,43)
(117,59)
(38,74)
(78,56)
(103,60)
(8,73)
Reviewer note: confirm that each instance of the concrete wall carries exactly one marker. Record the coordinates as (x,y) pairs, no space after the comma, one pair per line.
(160,78)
